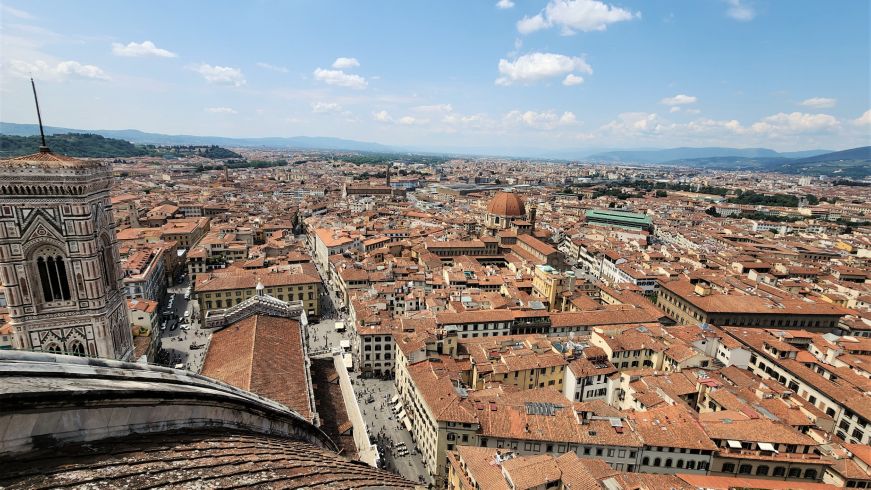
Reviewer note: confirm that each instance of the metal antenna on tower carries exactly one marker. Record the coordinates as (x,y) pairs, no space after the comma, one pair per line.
(44,147)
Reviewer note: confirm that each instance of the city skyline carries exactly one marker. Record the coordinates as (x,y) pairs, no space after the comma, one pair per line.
(554,75)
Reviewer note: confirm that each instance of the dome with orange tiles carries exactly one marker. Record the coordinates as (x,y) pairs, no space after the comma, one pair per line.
(506,204)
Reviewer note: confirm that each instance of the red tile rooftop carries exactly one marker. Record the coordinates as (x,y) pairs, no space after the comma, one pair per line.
(264,355)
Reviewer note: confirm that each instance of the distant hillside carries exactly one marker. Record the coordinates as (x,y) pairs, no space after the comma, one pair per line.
(803,154)
(73,144)
(862,153)
(216,152)
(140,137)
(672,154)
(853,163)
(730,163)
(212,151)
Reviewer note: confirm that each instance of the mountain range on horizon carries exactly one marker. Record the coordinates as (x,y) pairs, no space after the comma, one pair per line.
(853,163)
(641,155)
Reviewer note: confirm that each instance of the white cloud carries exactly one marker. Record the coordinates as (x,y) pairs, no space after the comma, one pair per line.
(343,63)
(675,108)
(221,110)
(630,123)
(324,107)
(679,99)
(784,127)
(794,123)
(864,119)
(539,66)
(475,120)
(57,72)
(412,121)
(575,15)
(711,126)
(819,102)
(340,78)
(740,11)
(221,75)
(572,79)
(539,120)
(145,48)
(527,25)
(434,108)
(504,4)
(692,111)
(14,12)
(382,116)
(267,66)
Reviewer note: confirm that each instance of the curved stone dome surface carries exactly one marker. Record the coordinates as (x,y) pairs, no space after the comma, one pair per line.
(506,204)
(74,422)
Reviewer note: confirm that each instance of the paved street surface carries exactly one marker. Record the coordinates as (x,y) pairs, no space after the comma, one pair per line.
(381,422)
(177,342)
(387,428)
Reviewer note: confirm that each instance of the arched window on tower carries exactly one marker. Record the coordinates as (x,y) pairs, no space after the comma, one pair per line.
(53,348)
(77,348)
(53,277)
(107,263)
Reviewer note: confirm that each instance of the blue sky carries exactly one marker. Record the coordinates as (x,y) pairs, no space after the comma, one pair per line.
(548,74)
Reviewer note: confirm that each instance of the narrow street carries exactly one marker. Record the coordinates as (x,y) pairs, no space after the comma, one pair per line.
(182,340)
(374,395)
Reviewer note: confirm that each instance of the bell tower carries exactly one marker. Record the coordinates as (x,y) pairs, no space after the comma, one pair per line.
(59,261)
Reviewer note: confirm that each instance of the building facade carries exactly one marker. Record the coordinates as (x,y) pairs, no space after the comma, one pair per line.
(59,261)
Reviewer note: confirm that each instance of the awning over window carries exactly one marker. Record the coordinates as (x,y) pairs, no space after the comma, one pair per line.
(401,415)
(407,423)
(767,446)
(399,405)
(734,444)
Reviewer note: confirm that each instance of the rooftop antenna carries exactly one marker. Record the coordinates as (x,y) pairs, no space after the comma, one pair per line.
(43,148)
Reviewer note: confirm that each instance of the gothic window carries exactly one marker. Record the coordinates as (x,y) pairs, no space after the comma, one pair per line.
(53,277)
(77,349)
(53,348)
(107,263)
